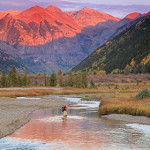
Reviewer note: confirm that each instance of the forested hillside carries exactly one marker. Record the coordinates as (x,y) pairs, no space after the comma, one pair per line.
(127,52)
(7,62)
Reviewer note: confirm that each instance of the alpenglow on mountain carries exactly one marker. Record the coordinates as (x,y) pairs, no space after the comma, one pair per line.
(47,39)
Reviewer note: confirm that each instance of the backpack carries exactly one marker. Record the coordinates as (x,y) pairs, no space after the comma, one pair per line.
(62,108)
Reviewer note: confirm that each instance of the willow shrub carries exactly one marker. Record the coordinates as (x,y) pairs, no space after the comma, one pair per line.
(143,94)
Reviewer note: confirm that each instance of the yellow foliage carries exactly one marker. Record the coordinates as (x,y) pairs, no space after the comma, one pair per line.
(132,62)
(109,42)
(102,72)
(38,74)
(146,60)
(99,50)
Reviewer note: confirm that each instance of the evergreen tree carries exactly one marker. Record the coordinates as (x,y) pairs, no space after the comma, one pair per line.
(70,81)
(53,79)
(25,78)
(92,84)
(45,79)
(48,81)
(36,83)
(10,80)
(84,80)
(59,73)
(3,79)
(19,81)
(28,81)
(14,76)
(79,79)
(147,67)
(60,78)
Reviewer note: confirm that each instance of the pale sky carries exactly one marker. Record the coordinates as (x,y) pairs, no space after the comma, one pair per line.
(118,8)
(112,2)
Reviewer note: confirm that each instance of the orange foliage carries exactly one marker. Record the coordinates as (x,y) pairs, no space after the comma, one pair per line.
(102,72)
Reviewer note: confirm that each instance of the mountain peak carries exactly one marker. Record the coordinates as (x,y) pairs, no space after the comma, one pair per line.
(86,8)
(133,15)
(148,13)
(91,17)
(89,10)
(36,7)
(54,8)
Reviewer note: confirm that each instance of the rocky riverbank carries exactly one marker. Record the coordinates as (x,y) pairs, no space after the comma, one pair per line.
(14,112)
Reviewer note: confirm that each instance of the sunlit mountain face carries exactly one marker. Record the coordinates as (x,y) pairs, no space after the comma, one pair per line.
(38,25)
(50,39)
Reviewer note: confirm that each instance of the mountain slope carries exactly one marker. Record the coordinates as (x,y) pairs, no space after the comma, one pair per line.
(12,12)
(131,47)
(7,62)
(90,17)
(37,26)
(48,39)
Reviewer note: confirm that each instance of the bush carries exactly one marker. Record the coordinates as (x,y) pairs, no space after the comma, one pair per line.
(92,85)
(116,87)
(144,93)
(85,99)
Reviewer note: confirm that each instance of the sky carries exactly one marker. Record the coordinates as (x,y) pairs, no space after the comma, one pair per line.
(117,8)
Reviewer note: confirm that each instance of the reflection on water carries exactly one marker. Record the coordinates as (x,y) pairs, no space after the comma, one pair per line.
(81,129)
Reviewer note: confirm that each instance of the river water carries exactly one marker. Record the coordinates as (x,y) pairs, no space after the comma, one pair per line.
(82,129)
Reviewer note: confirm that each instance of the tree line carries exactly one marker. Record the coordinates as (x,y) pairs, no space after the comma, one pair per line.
(77,80)
(14,80)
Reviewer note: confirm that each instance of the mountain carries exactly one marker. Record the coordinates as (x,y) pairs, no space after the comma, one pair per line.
(129,50)
(7,62)
(12,12)
(90,17)
(110,32)
(47,39)
(37,26)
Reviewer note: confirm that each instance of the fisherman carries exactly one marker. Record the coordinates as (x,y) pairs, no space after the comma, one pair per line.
(64,109)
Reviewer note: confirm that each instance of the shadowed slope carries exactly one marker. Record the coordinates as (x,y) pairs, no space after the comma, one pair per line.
(131,47)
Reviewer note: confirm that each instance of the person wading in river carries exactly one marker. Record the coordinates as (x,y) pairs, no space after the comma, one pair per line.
(65,110)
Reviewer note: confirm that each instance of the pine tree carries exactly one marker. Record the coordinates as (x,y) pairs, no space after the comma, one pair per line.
(10,80)
(36,83)
(92,84)
(53,79)
(70,79)
(59,73)
(60,78)
(25,79)
(14,76)
(28,81)
(79,79)
(19,81)
(45,79)
(3,79)
(48,81)
(84,80)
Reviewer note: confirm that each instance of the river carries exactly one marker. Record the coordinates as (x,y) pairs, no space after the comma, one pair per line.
(82,129)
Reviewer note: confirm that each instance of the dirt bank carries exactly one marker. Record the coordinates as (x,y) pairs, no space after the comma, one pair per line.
(128,118)
(15,112)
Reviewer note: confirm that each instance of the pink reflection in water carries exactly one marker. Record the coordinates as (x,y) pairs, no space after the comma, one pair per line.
(73,130)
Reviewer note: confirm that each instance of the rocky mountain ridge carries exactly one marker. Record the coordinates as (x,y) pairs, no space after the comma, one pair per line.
(48,39)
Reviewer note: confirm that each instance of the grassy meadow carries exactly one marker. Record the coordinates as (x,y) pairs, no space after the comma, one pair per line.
(116,97)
